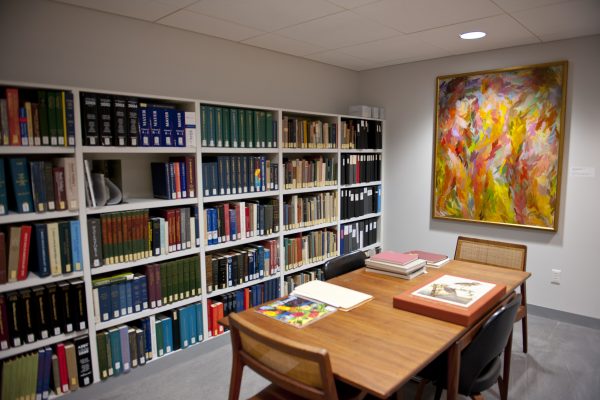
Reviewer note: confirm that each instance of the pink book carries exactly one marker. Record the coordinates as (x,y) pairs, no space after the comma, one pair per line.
(395,257)
(429,257)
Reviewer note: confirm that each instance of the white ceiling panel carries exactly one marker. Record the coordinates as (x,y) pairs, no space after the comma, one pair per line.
(338,30)
(192,21)
(273,41)
(266,15)
(564,20)
(350,4)
(148,10)
(518,5)
(502,31)
(394,48)
(342,60)
(412,16)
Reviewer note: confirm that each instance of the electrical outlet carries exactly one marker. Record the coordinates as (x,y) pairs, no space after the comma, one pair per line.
(555,276)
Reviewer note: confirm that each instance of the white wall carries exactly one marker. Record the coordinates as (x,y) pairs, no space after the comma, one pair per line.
(48,42)
(408,94)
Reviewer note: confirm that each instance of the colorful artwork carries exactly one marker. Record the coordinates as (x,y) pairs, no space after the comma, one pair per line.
(296,311)
(498,146)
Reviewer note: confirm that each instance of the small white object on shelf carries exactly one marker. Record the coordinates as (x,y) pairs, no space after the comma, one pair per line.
(360,111)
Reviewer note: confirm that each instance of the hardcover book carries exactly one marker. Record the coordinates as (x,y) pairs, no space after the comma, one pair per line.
(450,298)
(394,257)
(296,311)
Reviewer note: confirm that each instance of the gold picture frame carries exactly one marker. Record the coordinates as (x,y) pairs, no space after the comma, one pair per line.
(498,144)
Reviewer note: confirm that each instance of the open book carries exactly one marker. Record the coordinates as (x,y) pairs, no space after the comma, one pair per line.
(337,296)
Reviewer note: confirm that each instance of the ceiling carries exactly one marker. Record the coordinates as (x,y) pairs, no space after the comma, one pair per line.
(366,34)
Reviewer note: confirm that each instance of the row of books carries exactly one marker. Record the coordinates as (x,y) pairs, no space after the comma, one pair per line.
(241,300)
(308,210)
(242,264)
(126,121)
(309,247)
(297,279)
(51,248)
(133,235)
(356,235)
(37,118)
(360,201)
(37,313)
(175,179)
(237,127)
(48,371)
(362,134)
(360,168)
(309,172)
(224,175)
(304,133)
(38,185)
(239,220)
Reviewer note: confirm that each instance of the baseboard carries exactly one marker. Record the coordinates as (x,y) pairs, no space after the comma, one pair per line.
(563,316)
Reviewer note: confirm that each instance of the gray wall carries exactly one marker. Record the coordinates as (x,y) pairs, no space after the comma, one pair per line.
(408,94)
(54,43)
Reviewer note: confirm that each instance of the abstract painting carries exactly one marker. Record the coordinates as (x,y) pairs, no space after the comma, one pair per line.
(498,146)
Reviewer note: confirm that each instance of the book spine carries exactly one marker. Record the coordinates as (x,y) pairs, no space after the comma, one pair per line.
(105,119)
(12,102)
(70,118)
(132,126)
(120,122)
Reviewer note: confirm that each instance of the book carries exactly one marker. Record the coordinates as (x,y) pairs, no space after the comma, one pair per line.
(296,311)
(394,268)
(84,361)
(21,198)
(451,298)
(420,271)
(3,193)
(71,356)
(24,244)
(395,257)
(433,259)
(337,296)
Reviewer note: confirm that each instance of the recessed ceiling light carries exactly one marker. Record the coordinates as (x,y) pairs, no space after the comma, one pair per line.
(472,35)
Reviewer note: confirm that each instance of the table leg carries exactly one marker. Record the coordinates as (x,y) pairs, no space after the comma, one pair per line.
(453,372)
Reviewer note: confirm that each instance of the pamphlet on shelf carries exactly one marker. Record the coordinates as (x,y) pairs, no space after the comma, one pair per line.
(295,311)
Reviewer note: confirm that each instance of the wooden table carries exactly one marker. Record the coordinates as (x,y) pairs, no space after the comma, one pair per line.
(379,348)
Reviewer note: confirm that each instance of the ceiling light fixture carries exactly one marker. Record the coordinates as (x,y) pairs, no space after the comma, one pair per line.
(472,35)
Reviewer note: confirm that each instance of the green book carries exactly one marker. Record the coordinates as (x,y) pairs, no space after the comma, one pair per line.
(52,123)
(43,117)
(249,128)
(61,133)
(164,292)
(102,355)
(225,122)
(261,136)
(204,125)
(270,130)
(182,279)
(233,126)
(219,126)
(158,330)
(241,114)
(64,233)
(115,350)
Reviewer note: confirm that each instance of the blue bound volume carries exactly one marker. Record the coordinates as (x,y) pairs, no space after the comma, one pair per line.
(76,256)
(144,125)
(42,265)
(179,128)
(166,131)
(21,185)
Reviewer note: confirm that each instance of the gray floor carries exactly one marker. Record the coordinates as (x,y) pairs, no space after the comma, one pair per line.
(563,363)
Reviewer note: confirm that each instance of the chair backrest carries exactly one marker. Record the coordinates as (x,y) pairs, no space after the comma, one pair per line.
(500,254)
(343,264)
(488,344)
(296,367)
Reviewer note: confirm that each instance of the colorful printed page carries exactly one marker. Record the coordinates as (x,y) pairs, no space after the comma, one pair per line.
(296,311)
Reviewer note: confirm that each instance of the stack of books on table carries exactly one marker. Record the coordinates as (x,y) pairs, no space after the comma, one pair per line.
(401,265)
(433,260)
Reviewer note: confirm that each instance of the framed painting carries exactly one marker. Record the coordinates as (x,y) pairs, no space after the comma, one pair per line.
(498,146)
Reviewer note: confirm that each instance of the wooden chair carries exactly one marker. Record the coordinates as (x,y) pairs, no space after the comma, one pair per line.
(499,254)
(344,264)
(298,371)
(480,359)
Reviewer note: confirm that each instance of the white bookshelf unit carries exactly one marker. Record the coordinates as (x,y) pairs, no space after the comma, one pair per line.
(138,195)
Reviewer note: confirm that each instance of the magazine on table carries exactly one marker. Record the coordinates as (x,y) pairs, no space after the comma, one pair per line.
(296,311)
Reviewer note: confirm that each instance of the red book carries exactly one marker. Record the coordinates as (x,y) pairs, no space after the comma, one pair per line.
(429,257)
(3,323)
(246,298)
(238,219)
(12,105)
(191,175)
(394,257)
(247,213)
(24,252)
(214,317)
(62,367)
(209,311)
(177,179)
(220,315)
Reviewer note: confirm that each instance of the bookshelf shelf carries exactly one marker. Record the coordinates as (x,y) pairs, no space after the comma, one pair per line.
(34,280)
(307,266)
(309,190)
(292,150)
(239,150)
(146,313)
(310,228)
(136,204)
(243,196)
(366,151)
(241,242)
(24,150)
(118,267)
(137,150)
(16,218)
(14,351)
(366,216)
(356,185)
(244,285)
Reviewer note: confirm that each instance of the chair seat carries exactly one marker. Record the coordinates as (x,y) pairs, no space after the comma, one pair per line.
(274,392)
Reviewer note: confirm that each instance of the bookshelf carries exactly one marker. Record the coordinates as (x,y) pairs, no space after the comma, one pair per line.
(278,136)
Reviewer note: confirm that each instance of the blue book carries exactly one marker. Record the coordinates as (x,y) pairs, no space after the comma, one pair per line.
(229,271)
(76,255)
(168,334)
(125,351)
(70,118)
(104,302)
(148,338)
(47,372)
(199,321)
(3,195)
(184,329)
(136,293)
(232,224)
(161,182)
(179,128)
(115,300)
(213,225)
(167,137)
(205,181)
(193,326)
(252,265)
(40,264)
(144,125)
(143,283)
(128,296)
(114,337)
(40,373)
(21,185)
(23,127)
(268,260)
(156,124)
(263,173)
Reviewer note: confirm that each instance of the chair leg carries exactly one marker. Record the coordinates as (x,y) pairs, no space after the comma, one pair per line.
(421,388)
(438,392)
(524,324)
(477,396)
(237,368)
(504,379)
